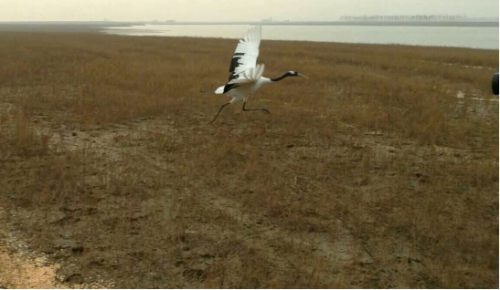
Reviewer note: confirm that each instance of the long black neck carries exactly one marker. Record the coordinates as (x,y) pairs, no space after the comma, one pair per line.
(280,78)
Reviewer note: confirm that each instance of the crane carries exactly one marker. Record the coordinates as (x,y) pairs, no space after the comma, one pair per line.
(245,74)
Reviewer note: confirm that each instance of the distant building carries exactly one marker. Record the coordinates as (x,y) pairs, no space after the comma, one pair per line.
(406,18)
(268,20)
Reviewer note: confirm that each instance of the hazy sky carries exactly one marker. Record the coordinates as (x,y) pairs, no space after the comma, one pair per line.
(232,10)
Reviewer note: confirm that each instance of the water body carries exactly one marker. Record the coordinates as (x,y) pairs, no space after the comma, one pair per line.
(472,37)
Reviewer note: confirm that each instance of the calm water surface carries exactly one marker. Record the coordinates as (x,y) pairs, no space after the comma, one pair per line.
(474,37)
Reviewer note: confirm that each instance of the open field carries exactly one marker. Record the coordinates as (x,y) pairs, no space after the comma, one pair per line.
(381,170)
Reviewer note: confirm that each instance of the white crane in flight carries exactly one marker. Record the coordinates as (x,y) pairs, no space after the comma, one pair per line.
(245,74)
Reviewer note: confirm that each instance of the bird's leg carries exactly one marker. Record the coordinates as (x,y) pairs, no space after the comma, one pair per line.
(265,110)
(222,107)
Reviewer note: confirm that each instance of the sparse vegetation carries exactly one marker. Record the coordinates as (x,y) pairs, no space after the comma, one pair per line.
(371,174)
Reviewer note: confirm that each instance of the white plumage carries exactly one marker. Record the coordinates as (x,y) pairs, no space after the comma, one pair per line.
(220,90)
(245,74)
(249,47)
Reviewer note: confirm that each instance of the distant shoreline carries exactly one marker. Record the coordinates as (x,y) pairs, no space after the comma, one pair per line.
(344,23)
(154,28)
(77,25)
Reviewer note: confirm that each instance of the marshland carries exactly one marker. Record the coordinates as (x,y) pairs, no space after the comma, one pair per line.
(379,171)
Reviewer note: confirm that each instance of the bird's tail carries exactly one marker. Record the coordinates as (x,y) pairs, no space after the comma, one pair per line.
(220,90)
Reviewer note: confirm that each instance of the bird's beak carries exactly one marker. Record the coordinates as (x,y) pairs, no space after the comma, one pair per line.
(301,75)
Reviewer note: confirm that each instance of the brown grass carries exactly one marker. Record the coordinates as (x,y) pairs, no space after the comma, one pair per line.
(371,174)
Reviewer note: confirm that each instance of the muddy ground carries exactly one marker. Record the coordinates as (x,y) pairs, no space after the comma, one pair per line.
(113,230)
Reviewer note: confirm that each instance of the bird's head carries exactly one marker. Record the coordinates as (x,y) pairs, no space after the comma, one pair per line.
(295,74)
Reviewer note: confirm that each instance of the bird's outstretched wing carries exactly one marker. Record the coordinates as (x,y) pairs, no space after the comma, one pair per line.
(244,63)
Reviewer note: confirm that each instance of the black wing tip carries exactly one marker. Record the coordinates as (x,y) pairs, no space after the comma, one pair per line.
(235,62)
(229,87)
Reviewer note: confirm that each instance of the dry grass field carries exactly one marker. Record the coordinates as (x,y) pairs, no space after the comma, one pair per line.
(381,170)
